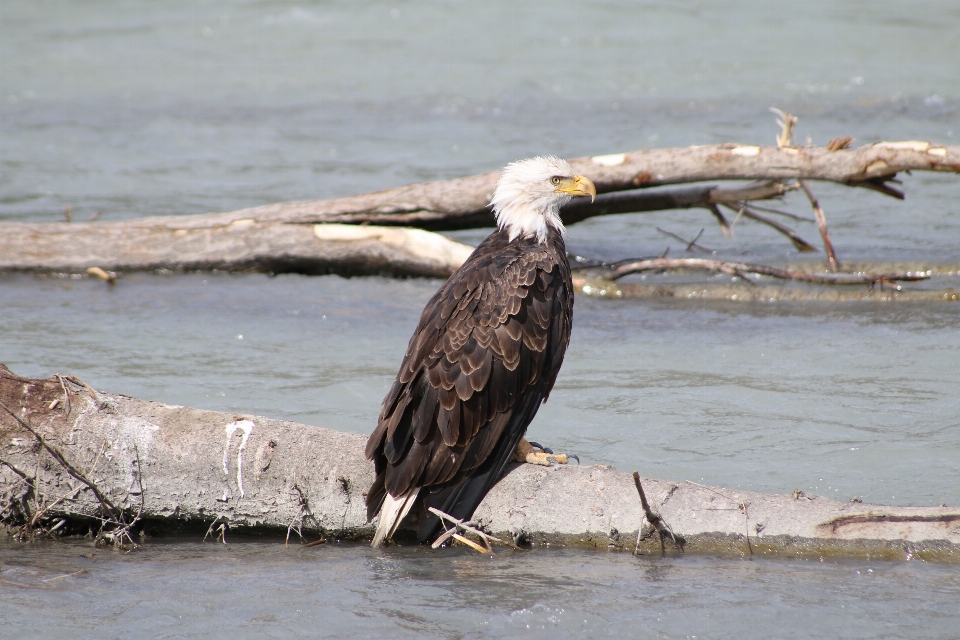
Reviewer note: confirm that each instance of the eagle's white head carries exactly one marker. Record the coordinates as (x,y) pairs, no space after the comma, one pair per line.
(530,193)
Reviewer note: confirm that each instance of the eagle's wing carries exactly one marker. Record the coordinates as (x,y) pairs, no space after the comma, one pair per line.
(484,356)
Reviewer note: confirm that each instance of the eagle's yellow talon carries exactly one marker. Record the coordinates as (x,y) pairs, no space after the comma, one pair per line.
(525,452)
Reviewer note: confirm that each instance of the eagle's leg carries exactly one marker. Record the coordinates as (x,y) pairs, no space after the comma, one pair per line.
(526,452)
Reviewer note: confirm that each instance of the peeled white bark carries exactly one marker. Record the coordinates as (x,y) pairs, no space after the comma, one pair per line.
(261,476)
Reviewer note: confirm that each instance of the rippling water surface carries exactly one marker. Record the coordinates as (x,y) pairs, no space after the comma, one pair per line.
(136,108)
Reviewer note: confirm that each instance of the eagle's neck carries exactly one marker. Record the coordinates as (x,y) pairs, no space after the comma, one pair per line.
(522,218)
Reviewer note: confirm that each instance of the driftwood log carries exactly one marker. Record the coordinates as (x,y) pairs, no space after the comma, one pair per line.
(283,237)
(74,460)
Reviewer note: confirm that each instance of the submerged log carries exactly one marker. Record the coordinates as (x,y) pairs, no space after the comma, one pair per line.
(281,237)
(73,457)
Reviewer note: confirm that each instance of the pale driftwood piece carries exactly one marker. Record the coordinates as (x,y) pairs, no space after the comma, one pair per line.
(97,248)
(250,474)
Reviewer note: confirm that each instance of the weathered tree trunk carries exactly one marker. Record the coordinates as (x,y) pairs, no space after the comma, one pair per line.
(189,469)
(281,237)
(237,246)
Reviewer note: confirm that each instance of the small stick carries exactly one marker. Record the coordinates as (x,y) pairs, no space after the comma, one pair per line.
(313,544)
(66,394)
(721,220)
(290,528)
(109,278)
(470,543)
(662,527)
(822,224)
(787,123)
(691,244)
(798,242)
(222,529)
(792,216)
(838,143)
(461,525)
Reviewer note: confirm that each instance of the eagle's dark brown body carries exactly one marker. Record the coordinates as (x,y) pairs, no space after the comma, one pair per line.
(484,356)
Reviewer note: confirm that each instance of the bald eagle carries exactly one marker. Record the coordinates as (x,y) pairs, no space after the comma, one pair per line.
(484,357)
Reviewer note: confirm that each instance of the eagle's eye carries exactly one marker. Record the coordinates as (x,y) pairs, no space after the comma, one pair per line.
(555,180)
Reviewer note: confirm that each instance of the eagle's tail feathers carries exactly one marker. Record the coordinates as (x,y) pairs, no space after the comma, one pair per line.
(392,513)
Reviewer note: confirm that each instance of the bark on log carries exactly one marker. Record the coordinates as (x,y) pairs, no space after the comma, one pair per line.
(261,476)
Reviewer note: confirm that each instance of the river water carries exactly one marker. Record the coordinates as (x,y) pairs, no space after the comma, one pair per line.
(139,108)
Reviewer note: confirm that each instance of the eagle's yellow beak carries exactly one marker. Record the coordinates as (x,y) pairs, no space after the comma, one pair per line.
(577,186)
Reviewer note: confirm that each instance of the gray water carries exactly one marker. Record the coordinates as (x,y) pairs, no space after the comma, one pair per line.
(136,108)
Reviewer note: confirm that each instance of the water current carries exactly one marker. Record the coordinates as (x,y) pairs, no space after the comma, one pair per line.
(139,108)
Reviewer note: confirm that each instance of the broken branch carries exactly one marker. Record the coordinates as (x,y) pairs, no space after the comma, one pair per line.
(822,225)
(662,528)
(625,268)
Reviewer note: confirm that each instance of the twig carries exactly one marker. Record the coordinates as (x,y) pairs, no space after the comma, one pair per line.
(104,501)
(822,224)
(721,220)
(222,529)
(741,505)
(66,575)
(304,505)
(627,267)
(470,543)
(787,123)
(123,528)
(465,526)
(62,522)
(792,216)
(739,209)
(23,476)
(840,142)
(299,528)
(691,244)
(97,272)
(654,519)
(70,495)
(313,544)
(66,394)
(798,242)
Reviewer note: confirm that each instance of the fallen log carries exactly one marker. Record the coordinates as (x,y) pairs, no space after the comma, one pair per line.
(242,245)
(462,202)
(281,237)
(69,450)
